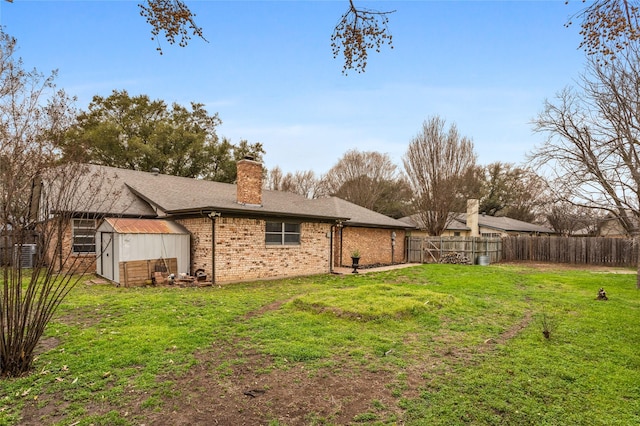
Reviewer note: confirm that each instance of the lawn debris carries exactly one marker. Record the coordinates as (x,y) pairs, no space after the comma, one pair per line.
(254,392)
(602,295)
(455,259)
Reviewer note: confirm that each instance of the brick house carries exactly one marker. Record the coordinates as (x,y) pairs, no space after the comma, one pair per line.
(474,224)
(238,232)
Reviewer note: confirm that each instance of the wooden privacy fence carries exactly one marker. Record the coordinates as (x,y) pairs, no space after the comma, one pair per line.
(431,249)
(576,250)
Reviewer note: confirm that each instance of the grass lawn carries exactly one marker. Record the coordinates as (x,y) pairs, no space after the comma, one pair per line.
(425,345)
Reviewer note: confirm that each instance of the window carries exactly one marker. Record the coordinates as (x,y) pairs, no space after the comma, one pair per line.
(491,235)
(282,233)
(84,236)
(456,233)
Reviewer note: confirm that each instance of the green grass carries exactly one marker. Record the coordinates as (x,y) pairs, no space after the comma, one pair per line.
(474,332)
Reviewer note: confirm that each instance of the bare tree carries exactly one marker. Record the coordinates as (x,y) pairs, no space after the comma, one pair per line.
(361,177)
(438,164)
(592,153)
(35,194)
(302,183)
(568,219)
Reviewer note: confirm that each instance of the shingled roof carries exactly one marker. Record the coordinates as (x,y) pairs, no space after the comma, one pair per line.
(505,224)
(148,194)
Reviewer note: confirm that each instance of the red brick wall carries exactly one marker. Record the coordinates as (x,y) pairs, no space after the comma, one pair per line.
(373,244)
(249,182)
(71,262)
(241,253)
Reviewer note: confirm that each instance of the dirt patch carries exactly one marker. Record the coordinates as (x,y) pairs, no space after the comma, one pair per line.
(570,267)
(255,393)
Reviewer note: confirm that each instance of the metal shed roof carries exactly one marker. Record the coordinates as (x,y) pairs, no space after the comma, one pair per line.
(145,226)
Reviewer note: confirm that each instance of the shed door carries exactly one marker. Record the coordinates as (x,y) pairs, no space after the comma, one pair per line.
(107,259)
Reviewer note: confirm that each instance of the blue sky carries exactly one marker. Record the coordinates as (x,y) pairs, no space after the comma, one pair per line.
(269,73)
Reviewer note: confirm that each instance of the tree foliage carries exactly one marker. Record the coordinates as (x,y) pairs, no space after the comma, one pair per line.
(515,192)
(441,167)
(134,132)
(173,18)
(357,32)
(608,27)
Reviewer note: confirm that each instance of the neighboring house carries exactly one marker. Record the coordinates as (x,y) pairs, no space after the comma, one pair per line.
(237,232)
(474,224)
(611,226)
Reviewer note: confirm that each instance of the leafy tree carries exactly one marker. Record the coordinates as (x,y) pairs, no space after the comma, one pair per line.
(592,154)
(140,134)
(515,192)
(440,167)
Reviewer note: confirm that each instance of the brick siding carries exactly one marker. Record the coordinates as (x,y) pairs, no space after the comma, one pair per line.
(373,244)
(70,262)
(241,253)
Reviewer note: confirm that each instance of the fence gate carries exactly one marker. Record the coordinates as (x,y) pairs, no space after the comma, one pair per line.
(431,249)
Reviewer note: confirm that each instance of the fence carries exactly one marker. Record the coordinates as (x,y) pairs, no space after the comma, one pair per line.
(576,250)
(431,249)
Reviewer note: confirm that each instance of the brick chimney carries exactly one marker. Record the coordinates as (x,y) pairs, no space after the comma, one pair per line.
(472,217)
(249,182)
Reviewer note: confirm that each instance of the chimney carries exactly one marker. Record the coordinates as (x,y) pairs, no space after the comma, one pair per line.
(473,206)
(249,182)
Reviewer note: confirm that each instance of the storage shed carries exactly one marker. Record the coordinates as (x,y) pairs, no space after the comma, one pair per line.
(131,250)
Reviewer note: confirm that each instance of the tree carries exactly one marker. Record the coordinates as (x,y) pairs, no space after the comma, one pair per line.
(173,18)
(568,219)
(592,153)
(35,189)
(357,32)
(140,134)
(515,192)
(368,179)
(439,165)
(303,183)
(608,27)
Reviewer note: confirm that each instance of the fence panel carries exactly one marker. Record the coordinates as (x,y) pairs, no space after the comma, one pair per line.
(431,249)
(575,250)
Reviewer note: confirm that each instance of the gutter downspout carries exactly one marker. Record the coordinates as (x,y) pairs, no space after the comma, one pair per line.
(212,215)
(331,231)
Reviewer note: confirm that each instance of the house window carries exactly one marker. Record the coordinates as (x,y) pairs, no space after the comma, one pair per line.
(84,236)
(456,233)
(282,233)
(491,234)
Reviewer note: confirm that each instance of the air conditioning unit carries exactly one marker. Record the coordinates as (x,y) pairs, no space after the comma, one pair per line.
(25,255)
